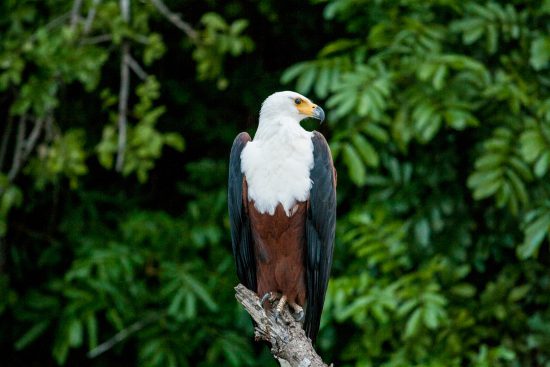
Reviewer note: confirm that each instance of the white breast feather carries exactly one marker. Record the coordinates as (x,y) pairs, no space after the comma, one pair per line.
(277,170)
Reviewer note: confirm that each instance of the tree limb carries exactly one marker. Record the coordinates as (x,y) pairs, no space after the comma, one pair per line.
(124,90)
(90,17)
(96,39)
(286,336)
(75,13)
(175,19)
(18,149)
(123,105)
(122,334)
(134,65)
(32,139)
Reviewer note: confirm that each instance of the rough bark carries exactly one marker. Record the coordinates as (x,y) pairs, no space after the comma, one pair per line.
(286,336)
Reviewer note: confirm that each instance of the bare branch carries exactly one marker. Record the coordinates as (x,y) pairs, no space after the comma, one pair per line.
(90,17)
(24,146)
(136,68)
(175,19)
(96,39)
(286,336)
(121,335)
(5,140)
(124,90)
(75,13)
(52,24)
(125,10)
(19,146)
(123,105)
(32,139)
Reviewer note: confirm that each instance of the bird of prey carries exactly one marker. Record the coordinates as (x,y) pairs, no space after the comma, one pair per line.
(282,208)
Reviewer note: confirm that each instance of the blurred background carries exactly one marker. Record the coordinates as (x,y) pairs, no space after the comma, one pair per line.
(116,121)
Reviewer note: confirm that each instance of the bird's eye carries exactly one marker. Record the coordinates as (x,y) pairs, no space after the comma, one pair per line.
(298,100)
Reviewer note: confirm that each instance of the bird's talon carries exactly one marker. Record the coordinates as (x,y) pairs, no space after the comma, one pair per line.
(277,316)
(298,316)
(266,297)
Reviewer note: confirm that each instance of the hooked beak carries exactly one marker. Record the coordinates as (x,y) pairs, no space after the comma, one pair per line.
(319,114)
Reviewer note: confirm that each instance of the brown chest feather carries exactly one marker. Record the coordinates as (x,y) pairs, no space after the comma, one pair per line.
(279,247)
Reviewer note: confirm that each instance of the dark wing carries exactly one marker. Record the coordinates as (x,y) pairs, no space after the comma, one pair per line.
(320,227)
(241,237)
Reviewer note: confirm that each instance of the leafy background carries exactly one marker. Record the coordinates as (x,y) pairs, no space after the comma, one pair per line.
(439,122)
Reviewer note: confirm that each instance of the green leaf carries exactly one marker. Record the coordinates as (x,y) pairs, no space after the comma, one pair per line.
(31,335)
(534,235)
(485,177)
(463,290)
(413,324)
(365,149)
(541,167)
(376,132)
(518,293)
(91,326)
(540,53)
(305,81)
(486,190)
(431,317)
(293,72)
(356,168)
(201,292)
(174,140)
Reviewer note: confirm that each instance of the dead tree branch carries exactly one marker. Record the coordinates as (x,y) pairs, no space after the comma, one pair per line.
(123,334)
(97,39)
(175,19)
(124,90)
(75,13)
(134,65)
(287,338)
(123,105)
(24,145)
(90,17)
(33,138)
(18,150)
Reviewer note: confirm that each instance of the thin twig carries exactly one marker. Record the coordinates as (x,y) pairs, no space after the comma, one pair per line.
(175,19)
(121,335)
(32,139)
(125,10)
(96,39)
(75,13)
(5,140)
(90,17)
(124,90)
(123,105)
(19,146)
(52,24)
(136,68)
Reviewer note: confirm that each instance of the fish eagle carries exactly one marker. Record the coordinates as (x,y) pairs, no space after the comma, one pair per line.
(282,208)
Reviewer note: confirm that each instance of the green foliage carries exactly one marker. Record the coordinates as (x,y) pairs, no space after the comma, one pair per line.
(144,143)
(439,112)
(217,39)
(63,157)
(439,122)
(10,197)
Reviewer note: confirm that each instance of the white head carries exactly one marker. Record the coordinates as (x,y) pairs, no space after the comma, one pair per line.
(289,105)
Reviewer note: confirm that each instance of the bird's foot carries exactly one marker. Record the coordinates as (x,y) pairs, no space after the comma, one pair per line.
(279,308)
(269,296)
(298,313)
